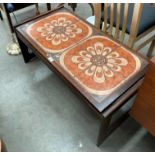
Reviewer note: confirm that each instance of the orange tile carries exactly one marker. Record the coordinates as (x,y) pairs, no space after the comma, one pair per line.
(99,64)
(58,32)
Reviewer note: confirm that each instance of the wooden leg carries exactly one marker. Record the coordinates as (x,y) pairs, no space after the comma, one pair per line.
(103,131)
(24,49)
(106,128)
(2,146)
(1,15)
(117,123)
(37,9)
(149,54)
(72,5)
(48,6)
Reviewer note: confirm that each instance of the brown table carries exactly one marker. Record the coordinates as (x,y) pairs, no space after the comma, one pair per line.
(101,70)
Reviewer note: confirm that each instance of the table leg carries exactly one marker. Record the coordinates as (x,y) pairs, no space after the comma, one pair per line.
(2,146)
(103,131)
(37,9)
(24,49)
(107,127)
(1,15)
(48,6)
(72,5)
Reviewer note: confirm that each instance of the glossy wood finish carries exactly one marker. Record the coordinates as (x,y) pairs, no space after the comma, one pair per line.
(143,110)
(99,103)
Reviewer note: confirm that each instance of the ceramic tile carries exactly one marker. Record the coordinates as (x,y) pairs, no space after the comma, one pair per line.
(133,62)
(99,64)
(58,32)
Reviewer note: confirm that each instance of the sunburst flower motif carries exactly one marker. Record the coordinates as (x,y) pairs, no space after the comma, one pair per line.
(99,61)
(58,31)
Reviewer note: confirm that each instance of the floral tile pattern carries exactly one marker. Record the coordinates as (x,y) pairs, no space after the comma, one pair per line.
(99,64)
(58,32)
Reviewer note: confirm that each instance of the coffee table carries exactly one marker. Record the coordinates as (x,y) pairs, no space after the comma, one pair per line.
(101,70)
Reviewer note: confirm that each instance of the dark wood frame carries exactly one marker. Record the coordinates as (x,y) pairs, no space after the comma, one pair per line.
(106,127)
(2,146)
(1,8)
(143,109)
(1,15)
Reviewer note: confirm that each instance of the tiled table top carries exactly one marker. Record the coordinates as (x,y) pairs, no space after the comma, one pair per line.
(100,68)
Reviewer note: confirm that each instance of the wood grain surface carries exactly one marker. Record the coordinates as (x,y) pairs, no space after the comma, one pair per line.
(143,110)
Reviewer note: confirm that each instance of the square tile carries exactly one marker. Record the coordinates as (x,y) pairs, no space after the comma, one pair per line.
(100,65)
(58,32)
